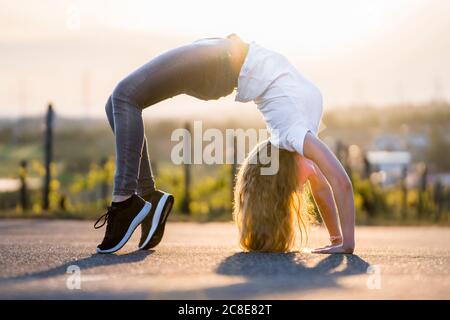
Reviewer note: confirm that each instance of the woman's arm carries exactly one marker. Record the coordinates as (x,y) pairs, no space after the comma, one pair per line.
(323,196)
(318,152)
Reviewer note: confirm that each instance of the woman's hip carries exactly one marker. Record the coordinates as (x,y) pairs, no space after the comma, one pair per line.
(202,71)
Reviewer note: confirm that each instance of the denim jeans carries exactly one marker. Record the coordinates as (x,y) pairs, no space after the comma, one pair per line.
(201,69)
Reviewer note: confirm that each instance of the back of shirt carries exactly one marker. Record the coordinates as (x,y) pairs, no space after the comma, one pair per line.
(290,104)
(260,68)
(263,67)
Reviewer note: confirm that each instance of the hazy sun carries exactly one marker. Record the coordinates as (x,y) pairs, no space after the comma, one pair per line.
(318,26)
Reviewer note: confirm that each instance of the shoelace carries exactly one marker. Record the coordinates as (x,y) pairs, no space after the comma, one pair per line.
(104,218)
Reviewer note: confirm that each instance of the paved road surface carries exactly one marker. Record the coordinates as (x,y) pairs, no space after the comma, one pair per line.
(198,261)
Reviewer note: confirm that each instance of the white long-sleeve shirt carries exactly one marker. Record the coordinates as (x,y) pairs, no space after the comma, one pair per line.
(290,104)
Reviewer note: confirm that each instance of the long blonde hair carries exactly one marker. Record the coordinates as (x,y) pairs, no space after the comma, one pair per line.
(270,209)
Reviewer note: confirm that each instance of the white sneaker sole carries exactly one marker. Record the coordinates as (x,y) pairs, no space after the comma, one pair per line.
(156,218)
(134,224)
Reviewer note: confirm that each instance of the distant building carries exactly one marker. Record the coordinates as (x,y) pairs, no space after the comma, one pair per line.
(418,141)
(387,167)
(414,142)
(389,142)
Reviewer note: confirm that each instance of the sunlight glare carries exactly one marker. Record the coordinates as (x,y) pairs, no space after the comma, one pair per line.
(312,26)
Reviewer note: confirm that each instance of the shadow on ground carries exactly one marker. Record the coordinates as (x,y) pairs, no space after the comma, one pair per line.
(276,273)
(264,274)
(95,260)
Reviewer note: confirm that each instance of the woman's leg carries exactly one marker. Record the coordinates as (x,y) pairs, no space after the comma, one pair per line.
(146,183)
(129,134)
(186,69)
(163,77)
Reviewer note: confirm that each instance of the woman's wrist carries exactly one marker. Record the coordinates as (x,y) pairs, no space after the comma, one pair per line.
(348,244)
(336,240)
(348,239)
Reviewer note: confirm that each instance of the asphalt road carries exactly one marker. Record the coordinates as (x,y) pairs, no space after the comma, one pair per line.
(203,261)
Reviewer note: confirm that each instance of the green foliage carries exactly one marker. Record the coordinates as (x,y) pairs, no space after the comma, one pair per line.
(171,178)
(212,196)
(371,200)
(81,183)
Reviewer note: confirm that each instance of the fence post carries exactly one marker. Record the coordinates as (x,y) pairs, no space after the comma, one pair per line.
(187,173)
(233,168)
(367,169)
(23,185)
(422,189)
(63,202)
(438,199)
(48,154)
(404,189)
(104,184)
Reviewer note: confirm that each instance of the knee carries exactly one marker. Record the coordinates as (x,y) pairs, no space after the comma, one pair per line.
(108,107)
(123,91)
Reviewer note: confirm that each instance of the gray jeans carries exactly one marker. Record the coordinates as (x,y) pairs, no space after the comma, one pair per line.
(201,69)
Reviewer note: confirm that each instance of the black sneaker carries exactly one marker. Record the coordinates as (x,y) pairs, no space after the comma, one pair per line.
(121,221)
(154,224)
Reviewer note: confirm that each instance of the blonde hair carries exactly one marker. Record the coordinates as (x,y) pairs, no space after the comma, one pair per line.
(270,209)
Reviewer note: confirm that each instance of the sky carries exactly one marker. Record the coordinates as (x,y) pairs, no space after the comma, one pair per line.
(72,53)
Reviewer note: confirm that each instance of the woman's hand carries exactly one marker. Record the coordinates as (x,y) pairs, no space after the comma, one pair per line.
(332,249)
(341,186)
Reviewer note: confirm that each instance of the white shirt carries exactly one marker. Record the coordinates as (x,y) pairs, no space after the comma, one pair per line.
(290,104)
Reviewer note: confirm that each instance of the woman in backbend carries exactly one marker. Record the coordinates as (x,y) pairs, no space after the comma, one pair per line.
(268,208)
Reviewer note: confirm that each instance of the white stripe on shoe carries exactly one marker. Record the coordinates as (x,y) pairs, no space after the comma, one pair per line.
(156,218)
(134,224)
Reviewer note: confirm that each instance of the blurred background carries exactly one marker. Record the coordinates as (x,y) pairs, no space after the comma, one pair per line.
(383,67)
